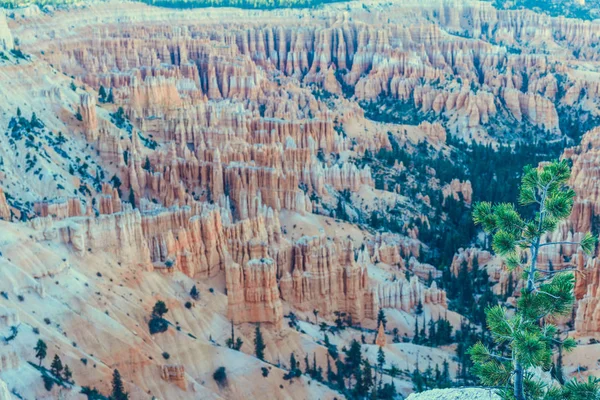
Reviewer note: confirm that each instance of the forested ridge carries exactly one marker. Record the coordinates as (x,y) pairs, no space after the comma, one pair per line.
(247,4)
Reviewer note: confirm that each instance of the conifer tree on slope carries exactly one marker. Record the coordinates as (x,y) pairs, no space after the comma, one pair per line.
(526,335)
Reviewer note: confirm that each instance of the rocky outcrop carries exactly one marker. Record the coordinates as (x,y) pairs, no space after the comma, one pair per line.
(533,107)
(587,291)
(4,208)
(253,293)
(87,109)
(175,374)
(460,191)
(468,257)
(192,243)
(380,338)
(405,295)
(120,234)
(60,208)
(323,274)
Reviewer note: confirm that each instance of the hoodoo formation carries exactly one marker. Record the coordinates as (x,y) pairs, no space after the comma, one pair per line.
(275,202)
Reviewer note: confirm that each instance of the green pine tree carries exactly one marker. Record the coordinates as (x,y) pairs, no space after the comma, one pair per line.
(526,335)
(419,309)
(102,94)
(132,197)
(159,309)
(118,390)
(259,343)
(40,350)
(68,375)
(381,318)
(110,98)
(56,367)
(416,339)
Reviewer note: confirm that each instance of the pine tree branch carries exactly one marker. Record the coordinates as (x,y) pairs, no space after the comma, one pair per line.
(556,271)
(499,357)
(546,293)
(559,243)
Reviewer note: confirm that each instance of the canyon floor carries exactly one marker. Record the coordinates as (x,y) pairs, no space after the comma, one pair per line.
(305,170)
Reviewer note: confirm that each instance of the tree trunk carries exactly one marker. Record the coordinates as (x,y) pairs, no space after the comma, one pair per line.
(518,384)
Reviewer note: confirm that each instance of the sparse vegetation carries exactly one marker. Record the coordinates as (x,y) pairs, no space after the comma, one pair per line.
(157,323)
(220,376)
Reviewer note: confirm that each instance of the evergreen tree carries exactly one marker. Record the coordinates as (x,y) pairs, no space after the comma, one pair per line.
(232,342)
(194,293)
(446,381)
(419,309)
(331,349)
(118,390)
(380,364)
(394,371)
(56,366)
(147,166)
(132,197)
(68,375)
(341,384)
(40,351)
(307,369)
(330,374)
(102,94)
(353,362)
(381,318)
(259,344)
(294,370)
(423,333)
(159,309)
(110,98)
(433,338)
(416,339)
(418,381)
(367,381)
(526,335)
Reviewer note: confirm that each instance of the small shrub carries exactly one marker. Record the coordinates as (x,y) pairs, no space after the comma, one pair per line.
(188,305)
(92,393)
(47,321)
(20,297)
(84,361)
(36,330)
(220,376)
(211,290)
(194,293)
(166,355)
(159,309)
(48,382)
(265,371)
(158,325)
